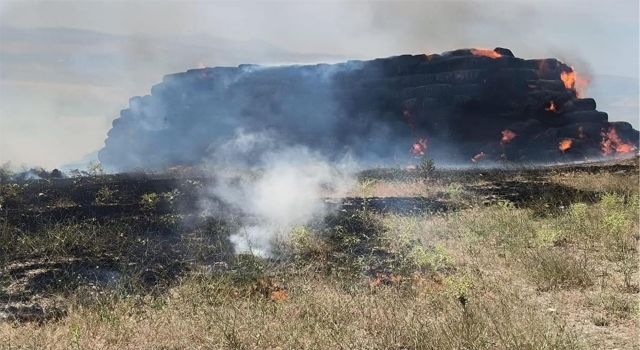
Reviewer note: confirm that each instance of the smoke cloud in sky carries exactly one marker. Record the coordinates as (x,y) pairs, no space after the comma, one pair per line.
(67,68)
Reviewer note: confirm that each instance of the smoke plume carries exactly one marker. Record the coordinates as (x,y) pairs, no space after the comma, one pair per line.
(270,187)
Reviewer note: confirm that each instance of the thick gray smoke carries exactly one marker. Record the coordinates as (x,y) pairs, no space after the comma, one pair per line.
(322,106)
(271,187)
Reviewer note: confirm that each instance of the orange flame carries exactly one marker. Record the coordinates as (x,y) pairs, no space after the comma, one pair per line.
(507,136)
(419,148)
(565,145)
(575,82)
(625,148)
(612,143)
(569,79)
(485,53)
(478,157)
(551,107)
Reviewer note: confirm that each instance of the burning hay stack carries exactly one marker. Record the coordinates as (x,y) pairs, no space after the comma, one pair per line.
(464,106)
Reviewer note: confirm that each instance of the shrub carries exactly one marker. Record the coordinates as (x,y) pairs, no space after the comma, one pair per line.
(307,245)
(353,233)
(105,195)
(426,168)
(6,173)
(248,268)
(579,222)
(9,192)
(550,236)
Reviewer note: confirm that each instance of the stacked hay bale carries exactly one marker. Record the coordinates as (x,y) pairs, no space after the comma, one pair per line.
(463,102)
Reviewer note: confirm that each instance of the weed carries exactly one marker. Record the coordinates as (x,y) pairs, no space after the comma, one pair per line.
(149,201)
(105,195)
(550,236)
(436,259)
(95,169)
(550,268)
(74,335)
(455,191)
(307,245)
(614,306)
(367,186)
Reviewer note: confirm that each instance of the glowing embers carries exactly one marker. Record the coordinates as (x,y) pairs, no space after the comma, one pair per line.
(551,107)
(612,143)
(419,148)
(478,157)
(565,145)
(383,279)
(507,136)
(485,53)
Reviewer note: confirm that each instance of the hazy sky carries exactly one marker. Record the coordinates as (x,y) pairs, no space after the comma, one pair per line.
(67,68)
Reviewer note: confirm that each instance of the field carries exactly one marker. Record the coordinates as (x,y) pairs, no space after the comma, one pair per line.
(424,259)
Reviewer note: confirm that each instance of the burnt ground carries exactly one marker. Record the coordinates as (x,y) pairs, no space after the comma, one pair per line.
(143,231)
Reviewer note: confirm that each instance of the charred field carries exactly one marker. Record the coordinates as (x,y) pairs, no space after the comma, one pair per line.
(517,258)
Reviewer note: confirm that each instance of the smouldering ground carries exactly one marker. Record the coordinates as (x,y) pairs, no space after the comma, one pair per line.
(525,259)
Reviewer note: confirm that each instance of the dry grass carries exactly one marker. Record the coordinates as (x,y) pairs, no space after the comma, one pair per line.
(625,184)
(588,253)
(394,188)
(208,312)
(501,276)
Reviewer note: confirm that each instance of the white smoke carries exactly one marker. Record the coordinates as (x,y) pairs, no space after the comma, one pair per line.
(272,187)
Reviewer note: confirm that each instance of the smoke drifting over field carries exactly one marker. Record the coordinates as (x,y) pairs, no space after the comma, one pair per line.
(271,187)
(190,115)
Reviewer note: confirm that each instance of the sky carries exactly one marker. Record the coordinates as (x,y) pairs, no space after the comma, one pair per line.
(68,67)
